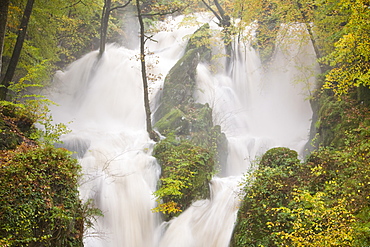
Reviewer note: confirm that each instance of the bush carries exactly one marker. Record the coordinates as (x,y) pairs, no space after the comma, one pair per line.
(324,201)
(40,203)
(271,187)
(186,172)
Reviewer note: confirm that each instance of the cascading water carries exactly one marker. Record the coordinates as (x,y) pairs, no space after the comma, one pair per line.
(256,109)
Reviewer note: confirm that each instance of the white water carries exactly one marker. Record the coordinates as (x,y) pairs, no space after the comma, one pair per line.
(257,110)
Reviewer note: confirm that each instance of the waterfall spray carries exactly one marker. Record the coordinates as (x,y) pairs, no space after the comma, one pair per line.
(256,109)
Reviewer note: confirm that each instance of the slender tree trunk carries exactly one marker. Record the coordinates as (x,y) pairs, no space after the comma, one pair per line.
(104,26)
(104,23)
(225,23)
(225,18)
(17,50)
(4,4)
(152,134)
(308,21)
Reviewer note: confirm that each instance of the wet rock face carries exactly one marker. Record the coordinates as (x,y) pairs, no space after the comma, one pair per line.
(179,84)
(181,80)
(77,146)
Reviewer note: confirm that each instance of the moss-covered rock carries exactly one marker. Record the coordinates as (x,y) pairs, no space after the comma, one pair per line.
(279,156)
(200,41)
(40,203)
(179,84)
(174,121)
(188,158)
(336,117)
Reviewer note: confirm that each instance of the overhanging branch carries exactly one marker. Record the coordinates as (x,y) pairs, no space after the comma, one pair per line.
(121,6)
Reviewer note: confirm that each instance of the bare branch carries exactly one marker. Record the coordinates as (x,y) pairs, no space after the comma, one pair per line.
(150,38)
(121,6)
(213,11)
(161,13)
(74,4)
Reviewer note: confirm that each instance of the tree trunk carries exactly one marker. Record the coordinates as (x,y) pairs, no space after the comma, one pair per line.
(4,4)
(225,23)
(104,26)
(17,50)
(307,20)
(152,134)
(104,23)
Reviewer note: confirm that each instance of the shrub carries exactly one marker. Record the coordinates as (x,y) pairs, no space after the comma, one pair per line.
(269,188)
(40,203)
(186,172)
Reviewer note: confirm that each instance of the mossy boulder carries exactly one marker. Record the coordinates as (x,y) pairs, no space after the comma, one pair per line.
(180,82)
(40,203)
(336,117)
(186,119)
(193,145)
(363,95)
(174,121)
(200,117)
(200,41)
(279,156)
(270,188)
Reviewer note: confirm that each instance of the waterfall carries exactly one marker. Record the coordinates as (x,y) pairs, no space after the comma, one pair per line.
(102,103)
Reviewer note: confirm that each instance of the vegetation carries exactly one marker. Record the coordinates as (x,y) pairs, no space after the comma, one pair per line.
(187,170)
(40,202)
(323,200)
(193,146)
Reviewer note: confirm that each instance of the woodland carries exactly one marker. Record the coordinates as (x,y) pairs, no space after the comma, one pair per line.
(323,200)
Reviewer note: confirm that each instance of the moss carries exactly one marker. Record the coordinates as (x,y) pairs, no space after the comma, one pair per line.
(189,154)
(200,41)
(201,117)
(173,122)
(180,82)
(279,156)
(363,95)
(336,117)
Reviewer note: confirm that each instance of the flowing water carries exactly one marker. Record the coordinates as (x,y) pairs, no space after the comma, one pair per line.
(103,106)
